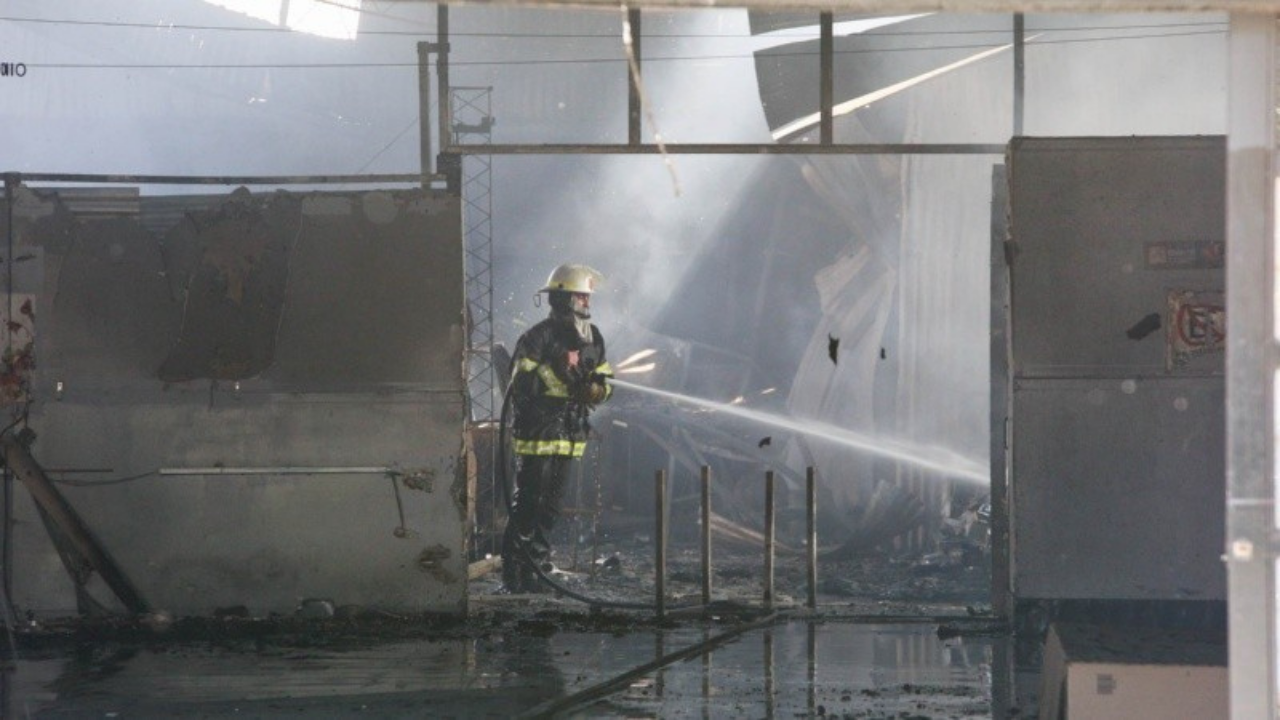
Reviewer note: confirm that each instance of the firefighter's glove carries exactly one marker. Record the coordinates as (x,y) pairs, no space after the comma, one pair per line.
(590,393)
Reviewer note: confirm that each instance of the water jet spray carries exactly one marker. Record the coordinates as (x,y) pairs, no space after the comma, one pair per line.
(944,462)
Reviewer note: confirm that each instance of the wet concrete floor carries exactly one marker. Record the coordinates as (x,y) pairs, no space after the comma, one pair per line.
(790,667)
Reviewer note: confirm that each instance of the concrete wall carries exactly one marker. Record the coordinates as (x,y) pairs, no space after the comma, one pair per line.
(1117,474)
(294,343)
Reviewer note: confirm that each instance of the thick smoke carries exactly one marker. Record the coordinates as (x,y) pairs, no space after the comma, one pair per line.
(739,269)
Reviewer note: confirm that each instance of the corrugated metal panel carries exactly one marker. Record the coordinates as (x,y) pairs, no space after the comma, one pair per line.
(162,213)
(96,203)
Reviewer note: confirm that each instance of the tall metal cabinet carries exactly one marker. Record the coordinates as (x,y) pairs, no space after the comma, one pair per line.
(1114,438)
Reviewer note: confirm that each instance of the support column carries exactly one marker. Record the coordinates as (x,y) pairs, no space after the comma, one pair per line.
(1252,360)
(634,108)
(826,75)
(1019,71)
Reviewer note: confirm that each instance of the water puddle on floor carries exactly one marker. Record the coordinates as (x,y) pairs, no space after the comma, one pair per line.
(790,669)
(800,669)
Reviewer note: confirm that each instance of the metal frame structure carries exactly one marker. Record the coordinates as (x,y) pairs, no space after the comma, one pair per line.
(1253,356)
(473,125)
(901,7)
(635,130)
(464,116)
(464,128)
(735,149)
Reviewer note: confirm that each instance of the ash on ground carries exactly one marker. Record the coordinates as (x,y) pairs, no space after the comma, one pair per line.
(955,579)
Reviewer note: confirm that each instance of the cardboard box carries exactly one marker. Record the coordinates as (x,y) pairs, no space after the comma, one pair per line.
(1096,673)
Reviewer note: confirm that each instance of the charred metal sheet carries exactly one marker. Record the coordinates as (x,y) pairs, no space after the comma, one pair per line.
(103,285)
(234,294)
(368,297)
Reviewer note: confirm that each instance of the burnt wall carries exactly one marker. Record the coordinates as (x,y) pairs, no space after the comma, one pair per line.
(258,403)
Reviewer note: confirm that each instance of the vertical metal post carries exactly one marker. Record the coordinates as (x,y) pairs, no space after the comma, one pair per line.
(1003,664)
(442,77)
(659,651)
(826,74)
(473,123)
(1252,357)
(471,109)
(768,539)
(1019,71)
(633,82)
(660,544)
(578,473)
(1001,405)
(426,156)
(706,535)
(811,507)
(11,182)
(706,671)
(769,687)
(811,636)
(595,521)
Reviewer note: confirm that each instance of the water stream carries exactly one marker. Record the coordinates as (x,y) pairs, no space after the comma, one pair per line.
(939,460)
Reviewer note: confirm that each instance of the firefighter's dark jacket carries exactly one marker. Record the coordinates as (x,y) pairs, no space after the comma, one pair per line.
(548,419)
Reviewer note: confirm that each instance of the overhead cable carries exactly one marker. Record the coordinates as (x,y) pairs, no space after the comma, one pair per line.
(160,25)
(560,61)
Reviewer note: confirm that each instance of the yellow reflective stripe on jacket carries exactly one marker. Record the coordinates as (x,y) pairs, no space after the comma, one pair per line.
(606,370)
(550,447)
(555,387)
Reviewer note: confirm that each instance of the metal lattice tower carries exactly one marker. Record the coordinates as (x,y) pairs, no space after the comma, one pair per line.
(473,125)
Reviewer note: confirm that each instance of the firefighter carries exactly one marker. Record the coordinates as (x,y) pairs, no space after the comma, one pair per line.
(558,375)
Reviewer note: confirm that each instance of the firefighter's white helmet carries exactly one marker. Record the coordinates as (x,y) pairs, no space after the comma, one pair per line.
(573,278)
